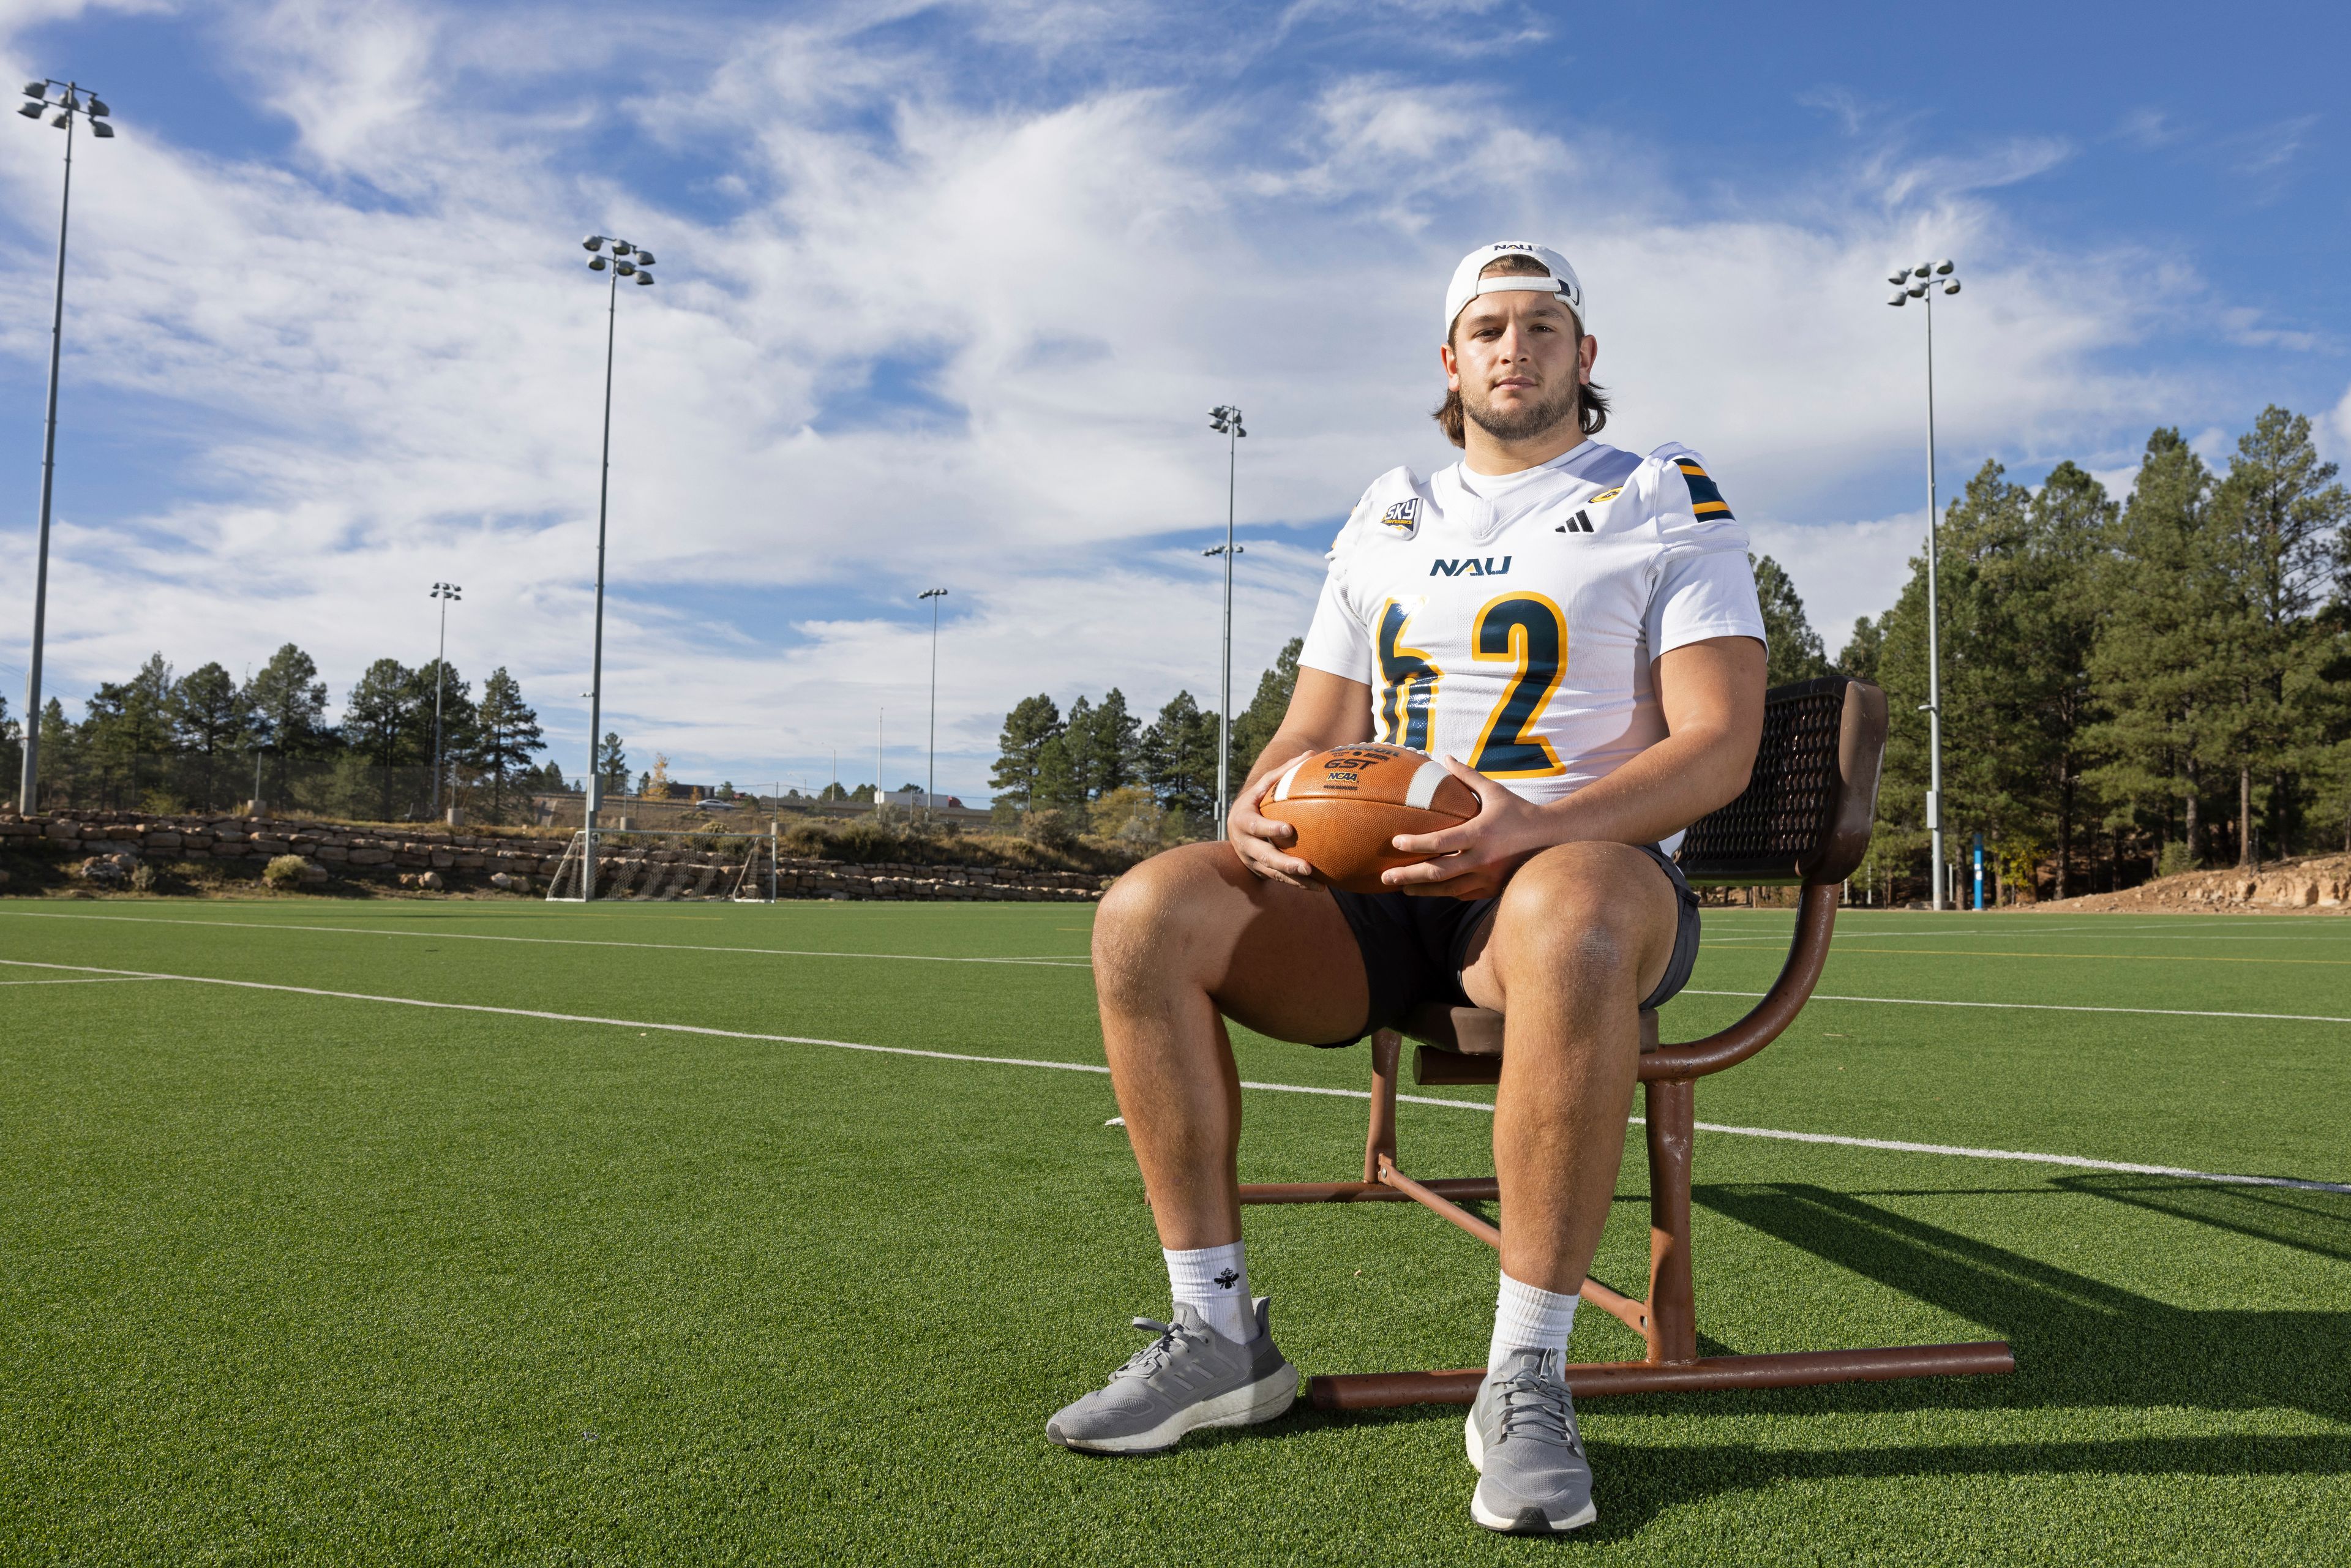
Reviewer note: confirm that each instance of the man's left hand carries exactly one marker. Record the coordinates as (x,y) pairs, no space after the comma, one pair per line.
(1474,860)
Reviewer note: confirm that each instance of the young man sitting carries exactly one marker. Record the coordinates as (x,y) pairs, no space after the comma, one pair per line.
(1579,625)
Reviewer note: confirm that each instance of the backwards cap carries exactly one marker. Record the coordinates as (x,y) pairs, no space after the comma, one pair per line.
(1466,285)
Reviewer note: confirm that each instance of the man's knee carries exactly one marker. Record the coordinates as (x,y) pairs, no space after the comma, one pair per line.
(1144,925)
(1579,914)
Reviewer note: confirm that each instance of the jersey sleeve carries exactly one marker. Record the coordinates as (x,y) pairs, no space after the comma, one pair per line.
(1336,641)
(1705,585)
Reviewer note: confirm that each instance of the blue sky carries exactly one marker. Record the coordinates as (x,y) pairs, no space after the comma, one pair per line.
(948,287)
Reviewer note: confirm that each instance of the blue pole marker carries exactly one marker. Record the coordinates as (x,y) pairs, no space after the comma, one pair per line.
(1979,903)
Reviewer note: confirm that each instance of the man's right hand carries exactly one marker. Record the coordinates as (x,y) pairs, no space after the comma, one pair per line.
(1260,841)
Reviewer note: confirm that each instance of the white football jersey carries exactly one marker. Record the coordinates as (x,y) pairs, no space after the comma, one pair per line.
(1510,621)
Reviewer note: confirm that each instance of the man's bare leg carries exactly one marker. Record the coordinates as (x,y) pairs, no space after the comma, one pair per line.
(1183,939)
(1180,941)
(1582,934)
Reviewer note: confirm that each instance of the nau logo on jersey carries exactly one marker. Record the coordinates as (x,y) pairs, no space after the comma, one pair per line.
(1469,566)
(1403,519)
(1706,496)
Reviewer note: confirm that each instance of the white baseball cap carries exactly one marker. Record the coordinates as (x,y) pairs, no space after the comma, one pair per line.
(1466,285)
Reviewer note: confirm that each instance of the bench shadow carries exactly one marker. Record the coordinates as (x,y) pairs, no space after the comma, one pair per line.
(1634,1485)
(2078,1341)
(2079,1344)
(2314,1222)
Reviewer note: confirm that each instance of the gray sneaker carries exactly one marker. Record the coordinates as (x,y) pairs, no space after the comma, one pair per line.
(1189,1376)
(1533,1479)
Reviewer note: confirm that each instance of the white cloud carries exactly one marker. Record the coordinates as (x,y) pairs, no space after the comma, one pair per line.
(395,391)
(1843,571)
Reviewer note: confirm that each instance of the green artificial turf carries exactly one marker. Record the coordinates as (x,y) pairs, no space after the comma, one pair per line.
(292,1278)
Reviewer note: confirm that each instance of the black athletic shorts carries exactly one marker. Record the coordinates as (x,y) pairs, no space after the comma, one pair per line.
(1414,948)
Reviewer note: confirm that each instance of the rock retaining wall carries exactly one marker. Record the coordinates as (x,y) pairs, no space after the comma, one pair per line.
(117,842)
(2319,883)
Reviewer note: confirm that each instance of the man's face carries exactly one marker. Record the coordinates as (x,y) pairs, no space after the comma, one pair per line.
(1517,359)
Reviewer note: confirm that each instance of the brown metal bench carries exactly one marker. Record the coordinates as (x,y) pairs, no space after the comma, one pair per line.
(1803,821)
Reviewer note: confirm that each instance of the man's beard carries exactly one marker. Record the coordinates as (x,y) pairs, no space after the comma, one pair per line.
(1527,423)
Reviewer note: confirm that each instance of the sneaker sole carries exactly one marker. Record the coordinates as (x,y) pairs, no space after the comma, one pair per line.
(1527,1521)
(1532,1521)
(1247,1406)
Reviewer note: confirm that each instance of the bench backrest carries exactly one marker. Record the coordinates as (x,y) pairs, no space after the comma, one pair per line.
(1805,814)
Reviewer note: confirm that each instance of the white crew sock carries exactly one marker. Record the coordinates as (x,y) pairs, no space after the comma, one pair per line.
(1214,1281)
(1528,1318)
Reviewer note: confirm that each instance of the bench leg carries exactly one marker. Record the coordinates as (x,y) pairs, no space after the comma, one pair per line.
(1387,1050)
(1668,1320)
(1672,1316)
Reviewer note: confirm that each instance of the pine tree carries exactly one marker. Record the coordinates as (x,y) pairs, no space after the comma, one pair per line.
(380,722)
(611,764)
(1032,722)
(1793,648)
(288,703)
(1113,742)
(128,725)
(1989,511)
(1179,758)
(210,718)
(1859,659)
(2277,517)
(459,728)
(1259,722)
(63,747)
(2047,600)
(12,746)
(506,733)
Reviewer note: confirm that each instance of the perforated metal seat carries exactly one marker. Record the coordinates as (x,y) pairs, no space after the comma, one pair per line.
(1802,821)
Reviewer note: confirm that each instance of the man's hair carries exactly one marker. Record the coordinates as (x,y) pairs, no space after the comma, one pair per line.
(1590,402)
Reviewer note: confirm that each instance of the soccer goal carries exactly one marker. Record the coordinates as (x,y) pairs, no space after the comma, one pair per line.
(646,866)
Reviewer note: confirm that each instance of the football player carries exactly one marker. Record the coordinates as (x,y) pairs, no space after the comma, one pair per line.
(1574,628)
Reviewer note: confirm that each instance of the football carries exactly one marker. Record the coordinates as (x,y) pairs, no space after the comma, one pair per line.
(1348,803)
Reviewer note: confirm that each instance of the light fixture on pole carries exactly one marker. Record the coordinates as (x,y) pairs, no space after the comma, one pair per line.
(67,99)
(447,594)
(930,780)
(1226,420)
(623,260)
(1920,282)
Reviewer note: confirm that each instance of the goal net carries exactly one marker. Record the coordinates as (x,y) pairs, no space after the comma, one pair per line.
(645,865)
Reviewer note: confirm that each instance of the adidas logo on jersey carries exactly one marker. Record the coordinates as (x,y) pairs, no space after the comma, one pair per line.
(1469,566)
(1403,519)
(1579,524)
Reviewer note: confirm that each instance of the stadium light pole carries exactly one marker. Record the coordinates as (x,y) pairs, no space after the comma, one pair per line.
(1919,282)
(70,102)
(1226,420)
(623,260)
(447,594)
(930,780)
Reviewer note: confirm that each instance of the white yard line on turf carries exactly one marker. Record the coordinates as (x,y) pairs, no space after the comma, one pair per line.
(1072,963)
(84,980)
(2042,1007)
(2074,1161)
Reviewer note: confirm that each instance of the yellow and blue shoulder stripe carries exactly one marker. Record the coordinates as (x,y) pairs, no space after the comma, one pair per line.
(1706,496)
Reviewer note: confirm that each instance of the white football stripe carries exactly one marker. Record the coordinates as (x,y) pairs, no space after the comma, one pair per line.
(1282,786)
(1424,784)
(648,1025)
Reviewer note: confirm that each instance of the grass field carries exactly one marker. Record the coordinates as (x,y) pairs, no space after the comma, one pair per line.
(292,1274)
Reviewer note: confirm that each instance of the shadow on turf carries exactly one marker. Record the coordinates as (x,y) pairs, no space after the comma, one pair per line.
(2317,1222)
(2079,1342)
